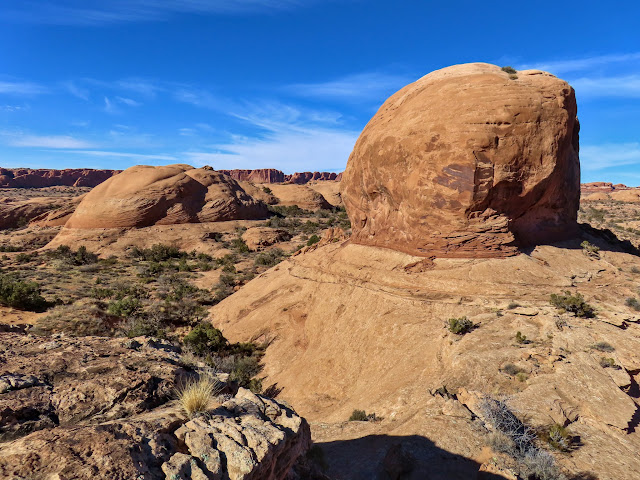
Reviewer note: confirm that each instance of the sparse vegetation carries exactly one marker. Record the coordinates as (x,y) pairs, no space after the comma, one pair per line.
(633,303)
(21,295)
(205,339)
(362,416)
(603,347)
(269,258)
(522,339)
(511,369)
(608,362)
(512,305)
(196,396)
(558,437)
(573,303)
(313,239)
(460,326)
(510,70)
(590,250)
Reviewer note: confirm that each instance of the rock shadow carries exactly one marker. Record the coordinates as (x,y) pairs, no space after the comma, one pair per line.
(387,457)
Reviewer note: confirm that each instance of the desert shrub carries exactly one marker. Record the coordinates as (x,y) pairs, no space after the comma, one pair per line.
(522,376)
(558,437)
(362,416)
(195,396)
(633,303)
(101,293)
(267,190)
(635,270)
(513,76)
(26,257)
(204,339)
(590,249)
(512,305)
(522,339)
(77,320)
(238,245)
(603,347)
(143,326)
(289,211)
(157,253)
(460,326)
(10,248)
(269,258)
(310,227)
(573,303)
(498,414)
(21,295)
(607,362)
(509,69)
(313,239)
(542,466)
(124,307)
(244,370)
(511,369)
(76,258)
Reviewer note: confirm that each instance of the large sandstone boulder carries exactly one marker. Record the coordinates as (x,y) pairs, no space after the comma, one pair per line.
(467,162)
(142,196)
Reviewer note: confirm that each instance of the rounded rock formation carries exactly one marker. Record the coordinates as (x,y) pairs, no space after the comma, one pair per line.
(468,161)
(142,196)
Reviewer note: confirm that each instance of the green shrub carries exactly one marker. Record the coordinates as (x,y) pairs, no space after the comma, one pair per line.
(313,239)
(522,339)
(509,70)
(80,257)
(143,326)
(608,363)
(633,303)
(21,295)
(603,347)
(460,326)
(244,370)
(362,416)
(558,437)
(157,253)
(238,245)
(269,258)
(511,369)
(125,307)
(590,249)
(267,190)
(512,305)
(289,211)
(573,303)
(205,339)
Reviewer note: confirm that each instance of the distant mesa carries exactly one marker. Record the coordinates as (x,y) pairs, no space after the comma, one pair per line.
(40,178)
(142,196)
(271,175)
(467,162)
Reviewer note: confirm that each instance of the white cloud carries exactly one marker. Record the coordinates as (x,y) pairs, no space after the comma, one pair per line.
(22,88)
(357,87)
(128,101)
(76,12)
(600,157)
(76,91)
(135,156)
(46,141)
(109,107)
(582,64)
(620,86)
(289,151)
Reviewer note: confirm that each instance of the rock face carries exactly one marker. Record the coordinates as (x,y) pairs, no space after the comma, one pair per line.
(466,162)
(72,177)
(306,177)
(91,407)
(142,196)
(301,195)
(257,238)
(606,187)
(271,175)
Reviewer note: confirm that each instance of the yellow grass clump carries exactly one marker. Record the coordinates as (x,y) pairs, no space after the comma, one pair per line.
(195,396)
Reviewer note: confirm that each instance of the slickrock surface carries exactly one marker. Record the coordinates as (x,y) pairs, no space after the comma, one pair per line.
(257,238)
(466,162)
(359,327)
(142,196)
(300,195)
(38,178)
(91,407)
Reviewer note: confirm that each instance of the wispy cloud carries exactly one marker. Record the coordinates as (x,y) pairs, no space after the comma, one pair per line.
(582,64)
(135,156)
(22,88)
(128,101)
(109,107)
(353,88)
(45,141)
(77,12)
(76,91)
(611,155)
(621,86)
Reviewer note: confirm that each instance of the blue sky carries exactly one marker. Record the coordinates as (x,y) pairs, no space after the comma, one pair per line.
(287,84)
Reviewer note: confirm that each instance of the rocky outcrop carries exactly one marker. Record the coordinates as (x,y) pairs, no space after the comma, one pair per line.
(467,162)
(92,407)
(38,178)
(257,238)
(271,175)
(605,187)
(142,196)
(19,212)
(301,195)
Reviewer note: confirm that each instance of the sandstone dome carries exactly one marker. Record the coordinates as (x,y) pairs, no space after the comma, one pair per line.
(468,161)
(143,195)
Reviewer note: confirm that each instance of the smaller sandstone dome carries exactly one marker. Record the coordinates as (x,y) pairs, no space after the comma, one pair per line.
(468,161)
(143,195)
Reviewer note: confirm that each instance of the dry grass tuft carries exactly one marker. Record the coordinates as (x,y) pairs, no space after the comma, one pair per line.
(195,396)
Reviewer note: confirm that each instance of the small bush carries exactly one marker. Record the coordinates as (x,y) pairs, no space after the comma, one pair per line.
(80,257)
(510,70)
(558,437)
(635,270)
(522,339)
(15,293)
(513,76)
(512,305)
(313,239)
(269,258)
(511,369)
(157,253)
(460,326)
(205,339)
(125,307)
(633,303)
(590,249)
(244,370)
(522,377)
(195,396)
(573,303)
(362,416)
(603,347)
(238,245)
(267,190)
(606,362)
